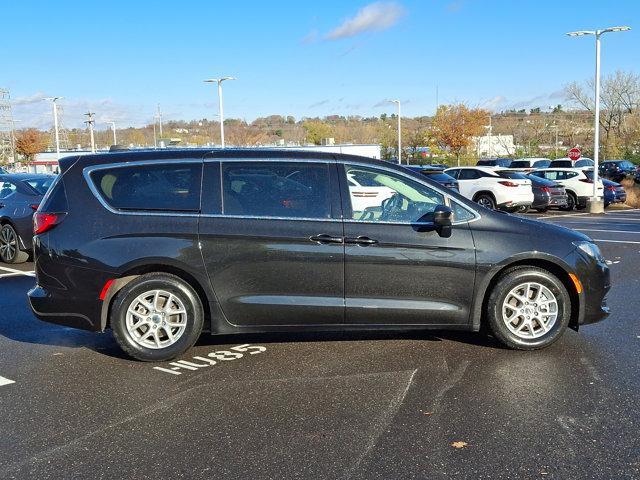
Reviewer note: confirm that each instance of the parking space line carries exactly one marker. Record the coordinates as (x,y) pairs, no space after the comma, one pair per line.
(564,215)
(614,241)
(5,381)
(606,231)
(13,271)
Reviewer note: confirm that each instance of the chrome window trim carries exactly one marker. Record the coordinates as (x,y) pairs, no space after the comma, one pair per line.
(258,217)
(87,171)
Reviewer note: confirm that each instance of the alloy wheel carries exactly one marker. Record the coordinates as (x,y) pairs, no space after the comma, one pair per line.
(486,202)
(156,319)
(530,310)
(8,243)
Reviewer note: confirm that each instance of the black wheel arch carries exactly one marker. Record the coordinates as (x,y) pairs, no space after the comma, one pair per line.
(484,192)
(200,285)
(553,265)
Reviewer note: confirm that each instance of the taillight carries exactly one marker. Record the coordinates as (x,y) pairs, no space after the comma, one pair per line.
(545,189)
(43,222)
(508,184)
(586,180)
(612,188)
(34,206)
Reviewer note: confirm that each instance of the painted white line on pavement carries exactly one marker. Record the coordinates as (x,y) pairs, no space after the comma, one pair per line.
(28,274)
(18,272)
(607,231)
(5,381)
(560,215)
(613,241)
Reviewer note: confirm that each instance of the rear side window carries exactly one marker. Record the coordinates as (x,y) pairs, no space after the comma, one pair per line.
(55,200)
(6,189)
(468,174)
(165,187)
(276,189)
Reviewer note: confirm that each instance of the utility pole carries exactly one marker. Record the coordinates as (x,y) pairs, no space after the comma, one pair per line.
(90,121)
(160,120)
(399,133)
(155,139)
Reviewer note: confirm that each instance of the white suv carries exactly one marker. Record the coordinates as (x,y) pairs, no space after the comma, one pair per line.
(366,191)
(493,187)
(577,183)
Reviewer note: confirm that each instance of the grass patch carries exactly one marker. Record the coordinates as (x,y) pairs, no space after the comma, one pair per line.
(633,193)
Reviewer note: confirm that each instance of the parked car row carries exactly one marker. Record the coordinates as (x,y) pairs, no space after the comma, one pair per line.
(20,196)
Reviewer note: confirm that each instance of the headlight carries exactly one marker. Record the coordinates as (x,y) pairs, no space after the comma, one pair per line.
(591,249)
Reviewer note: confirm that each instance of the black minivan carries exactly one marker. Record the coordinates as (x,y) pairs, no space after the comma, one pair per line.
(159,246)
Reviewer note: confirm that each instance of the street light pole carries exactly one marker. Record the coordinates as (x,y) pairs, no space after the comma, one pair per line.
(90,123)
(219,82)
(113,127)
(399,132)
(160,120)
(596,140)
(54,100)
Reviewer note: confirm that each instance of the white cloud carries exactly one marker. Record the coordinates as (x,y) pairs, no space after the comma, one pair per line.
(494,103)
(373,17)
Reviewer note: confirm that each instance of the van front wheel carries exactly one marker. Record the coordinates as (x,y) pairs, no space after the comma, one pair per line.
(156,317)
(528,309)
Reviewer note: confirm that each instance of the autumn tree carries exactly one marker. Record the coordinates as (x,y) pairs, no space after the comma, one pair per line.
(29,142)
(455,125)
(316,130)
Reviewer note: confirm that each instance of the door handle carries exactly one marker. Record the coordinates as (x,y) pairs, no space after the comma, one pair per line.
(361,240)
(324,238)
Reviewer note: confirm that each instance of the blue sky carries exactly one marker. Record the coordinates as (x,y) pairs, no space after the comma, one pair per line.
(301,58)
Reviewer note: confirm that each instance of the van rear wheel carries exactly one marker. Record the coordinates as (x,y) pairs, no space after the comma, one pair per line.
(156,317)
(528,309)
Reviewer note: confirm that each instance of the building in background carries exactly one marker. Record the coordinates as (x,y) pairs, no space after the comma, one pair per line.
(494,145)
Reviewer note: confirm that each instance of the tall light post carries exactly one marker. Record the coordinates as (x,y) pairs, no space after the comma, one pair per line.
(219,82)
(596,204)
(399,133)
(54,101)
(90,121)
(160,120)
(113,127)
(555,127)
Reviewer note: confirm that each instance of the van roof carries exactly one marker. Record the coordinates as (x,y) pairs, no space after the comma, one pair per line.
(183,153)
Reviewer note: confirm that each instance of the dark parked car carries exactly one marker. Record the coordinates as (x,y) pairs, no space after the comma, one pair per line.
(20,195)
(436,174)
(618,170)
(567,163)
(159,246)
(528,164)
(494,162)
(547,194)
(613,192)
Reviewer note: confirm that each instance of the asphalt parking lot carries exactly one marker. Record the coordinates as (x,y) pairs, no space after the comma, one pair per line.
(358,405)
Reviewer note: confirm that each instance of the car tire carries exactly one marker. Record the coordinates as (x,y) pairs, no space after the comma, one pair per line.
(542,210)
(10,246)
(156,317)
(522,209)
(522,325)
(486,201)
(572,201)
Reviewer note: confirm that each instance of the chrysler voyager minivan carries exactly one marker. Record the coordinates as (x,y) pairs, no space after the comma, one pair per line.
(159,246)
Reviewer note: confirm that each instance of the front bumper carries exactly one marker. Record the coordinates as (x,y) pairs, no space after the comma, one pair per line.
(596,282)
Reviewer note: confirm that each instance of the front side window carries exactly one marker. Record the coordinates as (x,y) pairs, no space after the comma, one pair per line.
(6,189)
(389,197)
(276,189)
(164,187)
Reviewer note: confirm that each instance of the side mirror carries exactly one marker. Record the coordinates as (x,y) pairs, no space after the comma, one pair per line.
(442,220)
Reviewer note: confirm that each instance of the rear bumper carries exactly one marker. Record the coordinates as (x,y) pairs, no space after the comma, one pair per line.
(51,307)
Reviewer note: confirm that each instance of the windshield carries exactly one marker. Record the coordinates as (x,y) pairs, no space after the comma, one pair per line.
(41,184)
(626,164)
(513,175)
(520,164)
